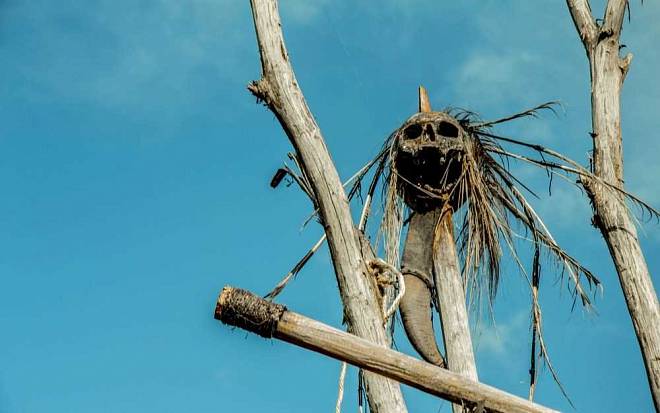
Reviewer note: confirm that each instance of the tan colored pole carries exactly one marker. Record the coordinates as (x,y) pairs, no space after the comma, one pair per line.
(245,310)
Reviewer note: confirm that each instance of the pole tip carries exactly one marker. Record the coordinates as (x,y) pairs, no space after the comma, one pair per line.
(424,103)
(241,308)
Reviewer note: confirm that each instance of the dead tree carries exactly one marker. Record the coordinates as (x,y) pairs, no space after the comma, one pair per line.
(436,162)
(601,40)
(279,90)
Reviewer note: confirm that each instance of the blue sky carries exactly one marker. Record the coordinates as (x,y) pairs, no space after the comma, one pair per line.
(135,170)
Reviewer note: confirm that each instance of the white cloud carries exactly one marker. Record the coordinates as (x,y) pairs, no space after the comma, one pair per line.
(499,339)
(487,79)
(566,209)
(303,11)
(128,55)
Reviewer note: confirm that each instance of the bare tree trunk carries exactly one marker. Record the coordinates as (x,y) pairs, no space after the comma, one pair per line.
(608,72)
(279,89)
(451,298)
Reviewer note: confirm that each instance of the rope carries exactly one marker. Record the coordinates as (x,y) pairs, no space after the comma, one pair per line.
(393,271)
(342,378)
(385,267)
(395,304)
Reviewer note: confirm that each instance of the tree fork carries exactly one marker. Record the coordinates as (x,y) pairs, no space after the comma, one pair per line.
(608,71)
(240,308)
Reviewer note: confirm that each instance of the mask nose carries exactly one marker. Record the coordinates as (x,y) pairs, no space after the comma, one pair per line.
(429,134)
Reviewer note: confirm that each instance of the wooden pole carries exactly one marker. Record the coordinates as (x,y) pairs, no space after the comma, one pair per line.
(451,298)
(279,90)
(245,310)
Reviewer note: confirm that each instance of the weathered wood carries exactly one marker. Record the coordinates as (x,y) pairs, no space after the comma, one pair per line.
(608,71)
(313,335)
(279,89)
(583,20)
(451,296)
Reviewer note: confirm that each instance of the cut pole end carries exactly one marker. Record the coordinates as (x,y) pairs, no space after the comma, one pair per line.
(225,295)
(241,308)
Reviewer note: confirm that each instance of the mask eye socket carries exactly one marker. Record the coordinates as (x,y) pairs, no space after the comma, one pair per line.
(412,132)
(447,129)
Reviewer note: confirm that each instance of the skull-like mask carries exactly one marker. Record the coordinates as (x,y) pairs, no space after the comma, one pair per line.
(428,159)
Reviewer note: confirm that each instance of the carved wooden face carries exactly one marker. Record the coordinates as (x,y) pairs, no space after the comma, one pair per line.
(429,152)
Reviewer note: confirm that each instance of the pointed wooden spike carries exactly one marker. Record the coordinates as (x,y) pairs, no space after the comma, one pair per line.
(424,103)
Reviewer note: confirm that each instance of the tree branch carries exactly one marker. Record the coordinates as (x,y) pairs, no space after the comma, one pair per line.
(584,21)
(279,90)
(613,20)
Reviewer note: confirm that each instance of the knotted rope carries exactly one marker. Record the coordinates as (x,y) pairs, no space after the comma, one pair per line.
(386,274)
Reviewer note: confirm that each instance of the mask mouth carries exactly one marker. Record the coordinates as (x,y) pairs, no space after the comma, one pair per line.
(430,171)
(429,159)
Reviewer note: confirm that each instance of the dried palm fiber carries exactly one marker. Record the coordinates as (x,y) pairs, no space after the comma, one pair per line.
(493,204)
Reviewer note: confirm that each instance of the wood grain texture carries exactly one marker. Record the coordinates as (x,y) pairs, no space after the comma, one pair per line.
(608,71)
(235,305)
(451,296)
(302,331)
(583,20)
(279,90)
